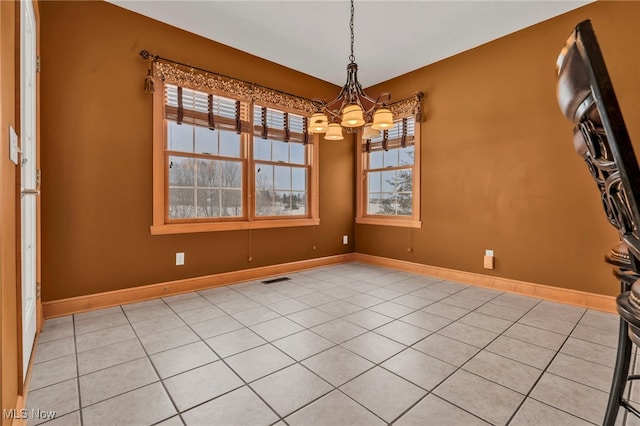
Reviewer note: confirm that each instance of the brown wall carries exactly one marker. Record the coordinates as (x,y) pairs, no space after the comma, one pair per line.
(97,158)
(498,168)
(9,364)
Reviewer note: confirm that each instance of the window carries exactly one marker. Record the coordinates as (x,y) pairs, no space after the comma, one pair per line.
(222,163)
(205,166)
(389,167)
(281,167)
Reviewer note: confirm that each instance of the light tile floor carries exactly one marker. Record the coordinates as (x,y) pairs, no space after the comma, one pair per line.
(343,345)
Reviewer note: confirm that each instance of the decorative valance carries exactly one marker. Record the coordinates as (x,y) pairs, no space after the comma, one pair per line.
(184,75)
(409,107)
(199,79)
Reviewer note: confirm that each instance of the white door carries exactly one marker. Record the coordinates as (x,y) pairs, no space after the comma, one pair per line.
(28,179)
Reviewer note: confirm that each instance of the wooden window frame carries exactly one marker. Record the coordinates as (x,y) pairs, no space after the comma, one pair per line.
(162,226)
(362,217)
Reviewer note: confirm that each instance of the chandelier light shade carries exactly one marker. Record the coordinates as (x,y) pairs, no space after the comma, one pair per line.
(353,108)
(369,132)
(318,123)
(382,119)
(352,116)
(334,132)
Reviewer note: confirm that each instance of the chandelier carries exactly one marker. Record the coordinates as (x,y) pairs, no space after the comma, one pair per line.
(353,109)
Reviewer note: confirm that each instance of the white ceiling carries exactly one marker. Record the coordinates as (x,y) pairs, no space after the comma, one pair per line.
(392,37)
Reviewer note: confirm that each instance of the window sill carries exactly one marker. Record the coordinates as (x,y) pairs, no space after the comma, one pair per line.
(187,228)
(389,221)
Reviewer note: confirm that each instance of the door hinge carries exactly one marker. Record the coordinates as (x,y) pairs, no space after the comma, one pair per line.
(38,290)
(38,178)
(37,63)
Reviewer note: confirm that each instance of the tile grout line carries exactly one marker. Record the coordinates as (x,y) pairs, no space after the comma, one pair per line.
(337,388)
(147,355)
(329,279)
(556,352)
(499,335)
(384,301)
(528,395)
(334,388)
(75,347)
(122,393)
(394,319)
(154,368)
(430,392)
(245,383)
(458,368)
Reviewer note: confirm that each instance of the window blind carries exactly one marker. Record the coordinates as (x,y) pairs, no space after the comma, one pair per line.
(401,135)
(269,123)
(204,109)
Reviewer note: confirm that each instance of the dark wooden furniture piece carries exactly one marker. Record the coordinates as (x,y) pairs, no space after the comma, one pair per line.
(587,99)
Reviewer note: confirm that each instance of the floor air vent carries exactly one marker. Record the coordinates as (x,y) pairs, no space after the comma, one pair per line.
(275,280)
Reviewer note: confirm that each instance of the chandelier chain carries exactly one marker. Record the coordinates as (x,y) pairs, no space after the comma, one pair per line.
(352,109)
(352,58)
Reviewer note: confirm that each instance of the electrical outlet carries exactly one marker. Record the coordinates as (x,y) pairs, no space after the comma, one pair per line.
(179,259)
(489,260)
(345,239)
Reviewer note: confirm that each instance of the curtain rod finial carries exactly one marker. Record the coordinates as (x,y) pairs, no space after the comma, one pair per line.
(145,54)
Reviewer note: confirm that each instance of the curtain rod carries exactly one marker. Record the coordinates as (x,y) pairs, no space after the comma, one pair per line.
(146,55)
